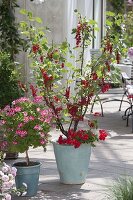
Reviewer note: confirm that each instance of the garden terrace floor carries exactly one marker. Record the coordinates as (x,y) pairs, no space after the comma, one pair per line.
(109,160)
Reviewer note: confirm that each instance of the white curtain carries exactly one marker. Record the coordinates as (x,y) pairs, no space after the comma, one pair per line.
(86,8)
(71,23)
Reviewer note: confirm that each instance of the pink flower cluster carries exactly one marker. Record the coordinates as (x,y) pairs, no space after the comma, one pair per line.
(22,99)
(38,99)
(7,175)
(21,133)
(47,114)
(3,145)
(28,118)
(38,127)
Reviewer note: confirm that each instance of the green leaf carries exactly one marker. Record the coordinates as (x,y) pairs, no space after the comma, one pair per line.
(109,13)
(64,45)
(23,12)
(109,23)
(74,30)
(70,65)
(45,46)
(96,29)
(39,20)
(92,22)
(29,14)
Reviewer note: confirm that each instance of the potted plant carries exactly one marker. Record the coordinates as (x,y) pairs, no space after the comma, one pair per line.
(26,124)
(69,90)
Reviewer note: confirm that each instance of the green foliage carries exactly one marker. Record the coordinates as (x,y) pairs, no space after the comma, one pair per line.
(120,29)
(10,45)
(122,189)
(10,40)
(117,6)
(9,80)
(128,33)
(115,29)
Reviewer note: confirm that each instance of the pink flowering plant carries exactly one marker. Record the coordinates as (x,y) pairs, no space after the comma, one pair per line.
(7,176)
(7,179)
(67,89)
(25,124)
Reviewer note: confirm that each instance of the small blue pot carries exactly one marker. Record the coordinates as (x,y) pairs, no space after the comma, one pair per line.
(28,175)
(72,163)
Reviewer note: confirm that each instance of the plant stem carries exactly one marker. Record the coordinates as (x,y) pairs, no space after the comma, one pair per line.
(76,125)
(82,56)
(27,157)
(1,157)
(81,71)
(58,121)
(70,124)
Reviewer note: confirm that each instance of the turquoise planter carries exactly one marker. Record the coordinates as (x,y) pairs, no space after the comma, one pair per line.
(28,175)
(72,163)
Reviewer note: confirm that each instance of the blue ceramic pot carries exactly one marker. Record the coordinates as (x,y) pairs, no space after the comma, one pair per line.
(28,175)
(72,163)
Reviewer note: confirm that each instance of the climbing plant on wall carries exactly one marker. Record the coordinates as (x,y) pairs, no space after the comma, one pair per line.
(10,45)
(10,40)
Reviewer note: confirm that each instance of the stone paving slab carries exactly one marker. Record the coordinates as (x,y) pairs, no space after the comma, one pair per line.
(109,160)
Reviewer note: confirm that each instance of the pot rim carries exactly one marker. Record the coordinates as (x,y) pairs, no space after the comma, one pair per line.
(54,141)
(31,166)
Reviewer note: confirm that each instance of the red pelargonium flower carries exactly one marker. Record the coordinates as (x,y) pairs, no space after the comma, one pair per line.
(82,135)
(35,48)
(91,124)
(103,134)
(75,138)
(34,90)
(97,114)
(61,140)
(76,144)
(130,96)
(67,94)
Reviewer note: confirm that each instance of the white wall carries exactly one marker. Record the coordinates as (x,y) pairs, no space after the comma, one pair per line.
(58,15)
